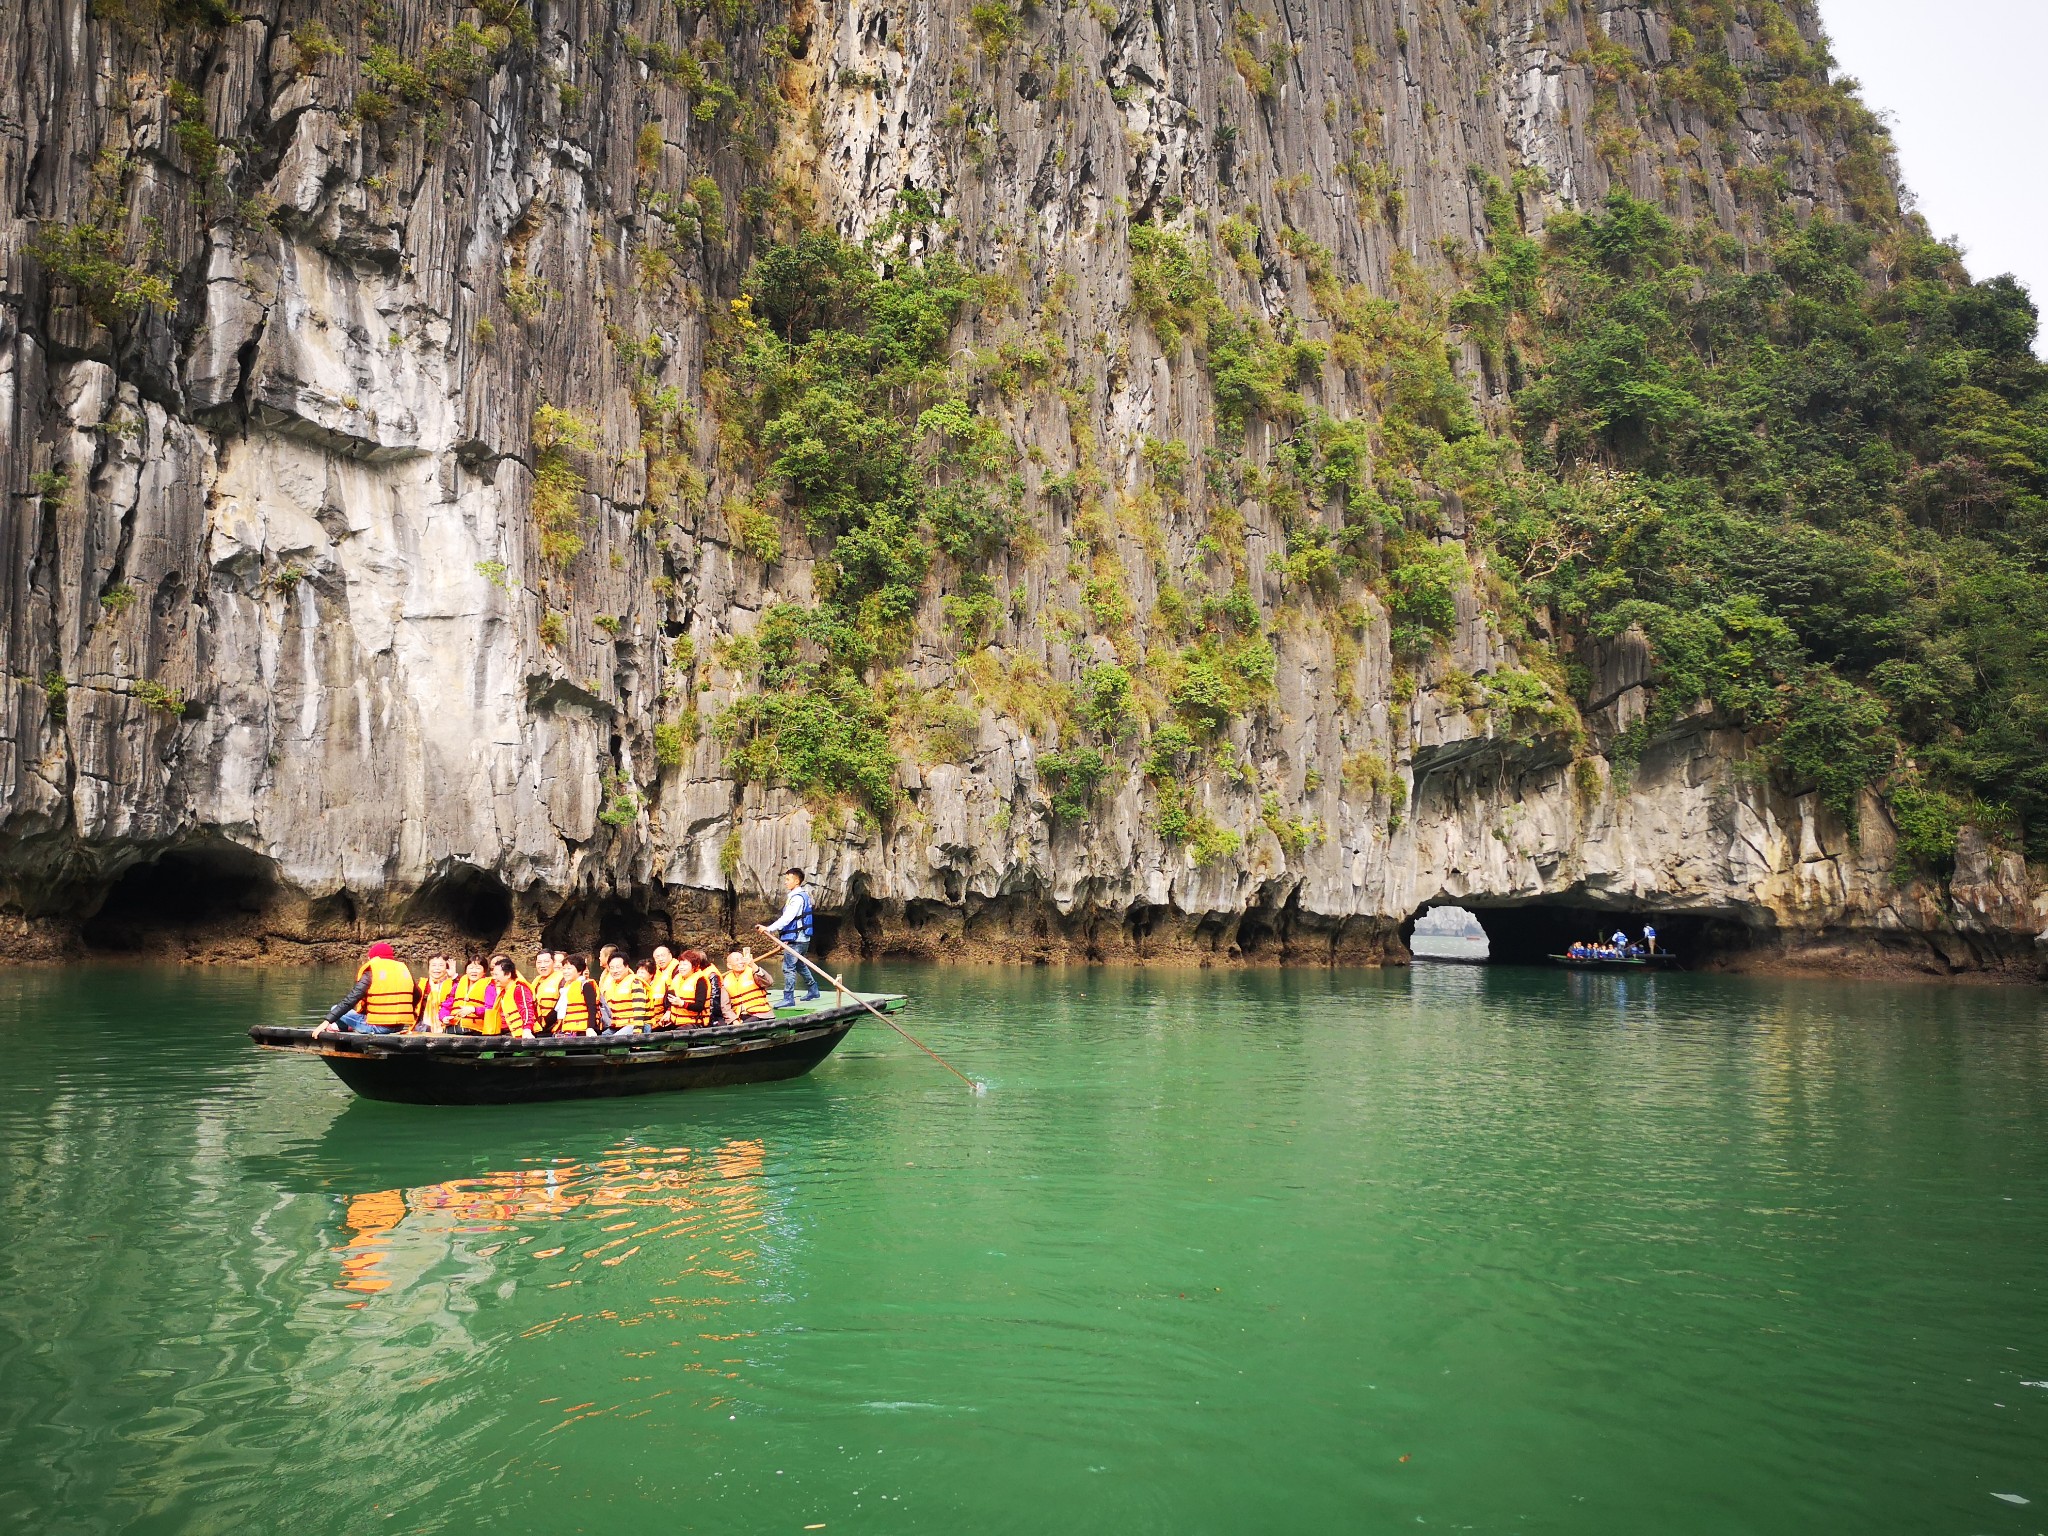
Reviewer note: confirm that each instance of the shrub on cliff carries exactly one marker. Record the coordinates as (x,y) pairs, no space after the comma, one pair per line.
(833,388)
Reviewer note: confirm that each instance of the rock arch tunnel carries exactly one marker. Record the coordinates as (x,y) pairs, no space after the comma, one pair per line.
(1530,932)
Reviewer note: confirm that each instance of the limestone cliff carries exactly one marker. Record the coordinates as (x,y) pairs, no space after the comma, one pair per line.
(318,319)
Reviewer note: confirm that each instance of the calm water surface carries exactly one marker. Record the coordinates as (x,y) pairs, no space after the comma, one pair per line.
(1478,1250)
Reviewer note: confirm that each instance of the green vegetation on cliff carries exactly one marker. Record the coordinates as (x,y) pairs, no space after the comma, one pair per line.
(834,389)
(1818,482)
(1814,475)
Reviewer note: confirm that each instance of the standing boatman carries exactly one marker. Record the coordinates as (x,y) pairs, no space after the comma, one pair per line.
(1650,937)
(794,929)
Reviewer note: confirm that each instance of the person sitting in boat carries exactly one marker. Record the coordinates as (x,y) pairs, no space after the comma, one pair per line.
(440,982)
(512,1003)
(580,1011)
(471,1007)
(745,988)
(661,978)
(463,1009)
(547,986)
(384,1000)
(623,998)
(693,996)
(507,1009)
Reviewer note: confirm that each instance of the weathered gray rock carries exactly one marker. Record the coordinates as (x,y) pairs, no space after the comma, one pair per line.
(299,497)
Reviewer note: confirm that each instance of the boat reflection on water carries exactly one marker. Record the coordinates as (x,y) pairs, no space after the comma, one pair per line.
(560,1221)
(1632,995)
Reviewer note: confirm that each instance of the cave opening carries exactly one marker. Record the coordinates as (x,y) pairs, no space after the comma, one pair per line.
(472,904)
(1256,932)
(1529,933)
(183,894)
(585,924)
(856,927)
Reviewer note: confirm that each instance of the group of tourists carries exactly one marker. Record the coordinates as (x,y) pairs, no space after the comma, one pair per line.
(1617,947)
(567,995)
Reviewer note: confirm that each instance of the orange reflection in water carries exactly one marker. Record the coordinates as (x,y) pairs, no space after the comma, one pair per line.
(714,1198)
(371,1217)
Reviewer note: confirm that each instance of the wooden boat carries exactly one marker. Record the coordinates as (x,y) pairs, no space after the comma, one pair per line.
(1656,962)
(500,1069)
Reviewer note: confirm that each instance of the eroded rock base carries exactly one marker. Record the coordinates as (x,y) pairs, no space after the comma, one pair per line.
(270,925)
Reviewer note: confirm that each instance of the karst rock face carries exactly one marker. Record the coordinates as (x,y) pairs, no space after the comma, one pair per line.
(293,489)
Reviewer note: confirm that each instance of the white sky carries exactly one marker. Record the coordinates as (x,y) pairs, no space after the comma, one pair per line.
(1960,81)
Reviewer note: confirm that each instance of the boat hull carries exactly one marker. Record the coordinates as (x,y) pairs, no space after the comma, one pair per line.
(444,1069)
(1640,963)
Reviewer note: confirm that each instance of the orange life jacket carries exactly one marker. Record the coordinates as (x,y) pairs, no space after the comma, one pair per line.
(661,993)
(628,996)
(692,998)
(749,997)
(547,991)
(579,1008)
(391,1000)
(511,1005)
(501,1016)
(437,994)
(466,1005)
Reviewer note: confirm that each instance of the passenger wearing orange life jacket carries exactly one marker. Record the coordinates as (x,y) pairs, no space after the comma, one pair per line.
(547,985)
(625,997)
(463,1011)
(513,1008)
(441,981)
(693,996)
(495,1019)
(580,1010)
(383,1001)
(661,987)
(745,988)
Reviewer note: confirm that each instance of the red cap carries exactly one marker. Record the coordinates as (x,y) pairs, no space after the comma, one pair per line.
(382,951)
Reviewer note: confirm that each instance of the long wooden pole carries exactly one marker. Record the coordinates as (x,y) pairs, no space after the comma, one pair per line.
(824,975)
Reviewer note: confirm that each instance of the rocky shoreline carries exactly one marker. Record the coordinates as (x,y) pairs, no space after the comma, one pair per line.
(1018,935)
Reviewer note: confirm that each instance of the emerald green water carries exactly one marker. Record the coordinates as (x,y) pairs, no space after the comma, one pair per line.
(1480,1250)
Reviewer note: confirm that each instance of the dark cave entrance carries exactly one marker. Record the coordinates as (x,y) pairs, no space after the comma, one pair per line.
(854,931)
(1529,933)
(183,894)
(585,924)
(472,905)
